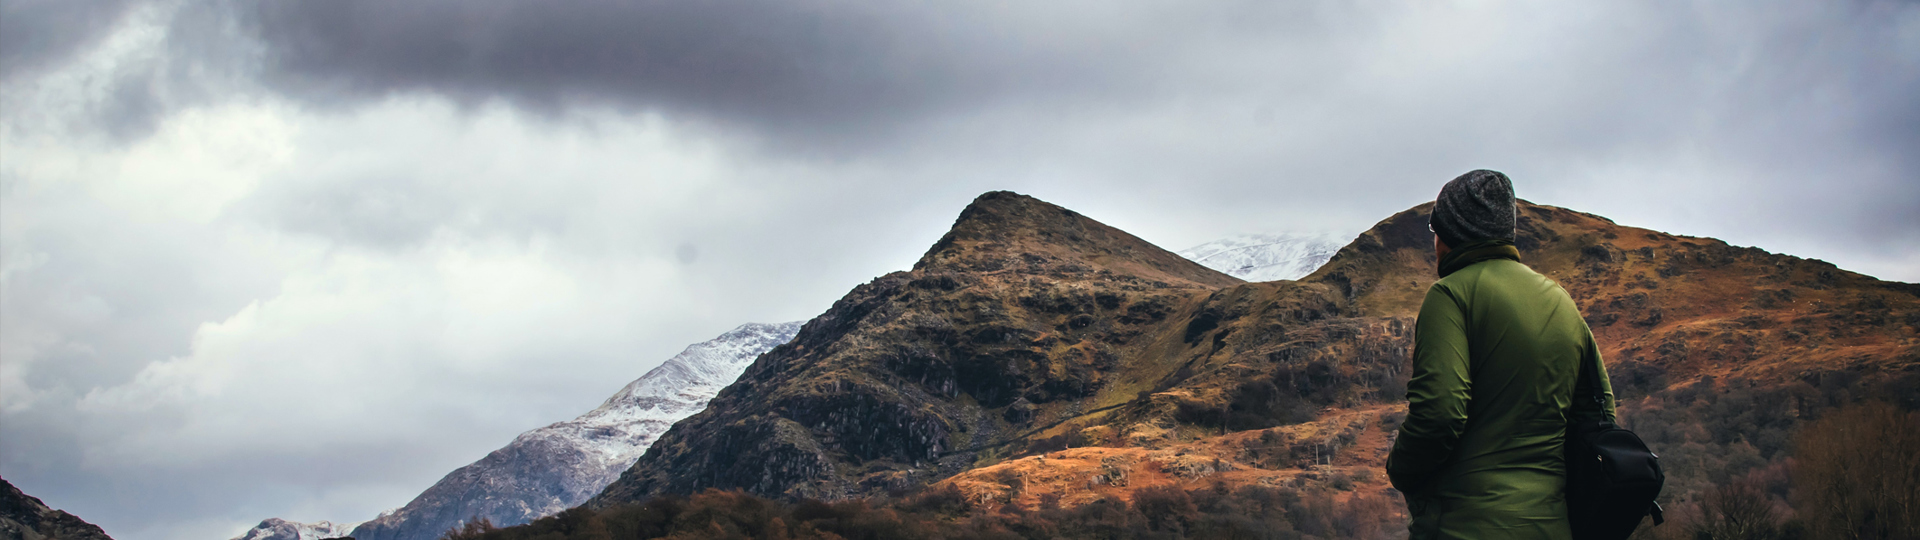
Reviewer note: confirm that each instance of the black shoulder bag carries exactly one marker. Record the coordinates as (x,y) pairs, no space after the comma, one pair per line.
(1612,477)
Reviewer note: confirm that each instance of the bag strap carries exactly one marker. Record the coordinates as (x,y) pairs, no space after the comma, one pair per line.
(1592,370)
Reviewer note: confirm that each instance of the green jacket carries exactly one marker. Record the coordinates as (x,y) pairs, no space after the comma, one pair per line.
(1497,361)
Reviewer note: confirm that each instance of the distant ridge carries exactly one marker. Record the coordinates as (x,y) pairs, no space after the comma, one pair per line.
(556,467)
(1268,257)
(280,529)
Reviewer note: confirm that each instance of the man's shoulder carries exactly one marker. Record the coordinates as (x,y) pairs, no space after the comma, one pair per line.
(1495,271)
(1502,277)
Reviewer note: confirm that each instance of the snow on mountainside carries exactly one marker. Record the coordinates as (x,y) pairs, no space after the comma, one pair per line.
(1267,257)
(280,529)
(559,466)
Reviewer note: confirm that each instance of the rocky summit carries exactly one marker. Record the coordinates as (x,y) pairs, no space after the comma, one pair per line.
(1035,356)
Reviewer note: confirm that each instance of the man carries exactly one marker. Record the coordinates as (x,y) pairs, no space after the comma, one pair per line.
(1497,360)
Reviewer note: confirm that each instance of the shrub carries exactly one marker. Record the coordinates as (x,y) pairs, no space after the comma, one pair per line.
(1166,508)
(942,500)
(1362,516)
(1312,513)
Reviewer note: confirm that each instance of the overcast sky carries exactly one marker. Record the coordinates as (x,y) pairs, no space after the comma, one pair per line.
(301,259)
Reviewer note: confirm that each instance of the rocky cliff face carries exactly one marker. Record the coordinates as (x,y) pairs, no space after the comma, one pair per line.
(1034,353)
(1267,257)
(24,517)
(559,466)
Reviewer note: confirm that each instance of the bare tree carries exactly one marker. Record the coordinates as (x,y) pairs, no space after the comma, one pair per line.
(1738,510)
(1857,473)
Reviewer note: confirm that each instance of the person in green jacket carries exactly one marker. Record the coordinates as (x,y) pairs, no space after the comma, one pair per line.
(1497,360)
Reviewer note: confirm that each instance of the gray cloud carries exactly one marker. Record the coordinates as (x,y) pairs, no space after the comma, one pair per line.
(1242,96)
(34,33)
(109,71)
(807,67)
(816,75)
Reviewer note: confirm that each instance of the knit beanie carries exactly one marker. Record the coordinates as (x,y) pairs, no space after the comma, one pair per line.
(1476,206)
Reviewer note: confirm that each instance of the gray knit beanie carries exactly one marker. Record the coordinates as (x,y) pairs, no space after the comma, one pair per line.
(1476,206)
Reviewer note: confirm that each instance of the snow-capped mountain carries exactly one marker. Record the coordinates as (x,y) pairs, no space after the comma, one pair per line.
(1268,257)
(280,529)
(559,466)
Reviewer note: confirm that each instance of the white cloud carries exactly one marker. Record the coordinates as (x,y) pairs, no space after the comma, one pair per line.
(74,213)
(433,344)
(298,294)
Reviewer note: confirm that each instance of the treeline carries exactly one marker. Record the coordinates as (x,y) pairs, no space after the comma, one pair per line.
(1161,512)
(1786,464)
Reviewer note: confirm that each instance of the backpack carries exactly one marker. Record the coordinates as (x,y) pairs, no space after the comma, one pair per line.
(1612,477)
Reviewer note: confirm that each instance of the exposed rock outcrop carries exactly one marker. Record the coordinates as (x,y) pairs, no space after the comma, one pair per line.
(24,517)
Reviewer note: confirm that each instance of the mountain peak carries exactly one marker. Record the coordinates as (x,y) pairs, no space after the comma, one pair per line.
(1007,216)
(1007,231)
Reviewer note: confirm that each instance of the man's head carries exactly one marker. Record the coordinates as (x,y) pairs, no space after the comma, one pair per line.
(1476,206)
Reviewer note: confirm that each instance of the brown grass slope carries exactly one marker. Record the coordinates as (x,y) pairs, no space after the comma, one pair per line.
(1034,354)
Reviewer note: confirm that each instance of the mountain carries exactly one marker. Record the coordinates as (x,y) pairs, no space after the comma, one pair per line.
(1717,354)
(1021,315)
(24,517)
(1036,355)
(556,467)
(280,529)
(1267,257)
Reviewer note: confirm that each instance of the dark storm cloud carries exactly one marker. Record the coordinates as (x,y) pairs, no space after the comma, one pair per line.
(830,74)
(38,35)
(35,33)
(62,72)
(793,66)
